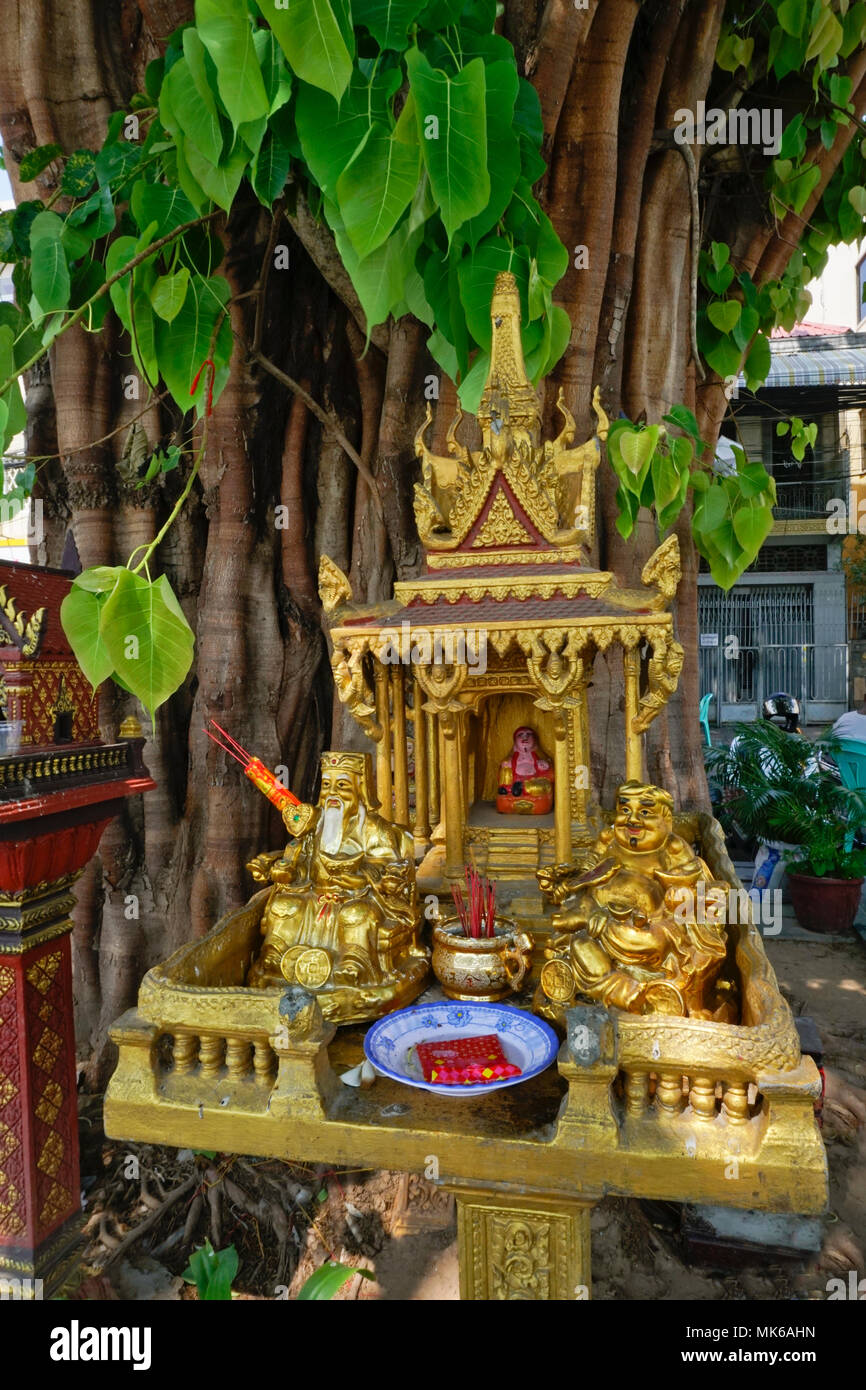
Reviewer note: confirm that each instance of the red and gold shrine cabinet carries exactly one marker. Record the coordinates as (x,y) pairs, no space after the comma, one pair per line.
(60,786)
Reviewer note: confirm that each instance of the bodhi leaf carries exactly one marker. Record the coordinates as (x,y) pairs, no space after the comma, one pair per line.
(168,294)
(387,20)
(666,480)
(183,345)
(637,446)
(275,73)
(220,182)
(225,30)
(477,276)
(724,314)
(452,127)
(48,268)
(376,188)
(79,174)
(270,168)
(166,207)
(757,365)
(752,524)
(39,159)
(501,93)
(80,615)
(330,133)
(379,278)
(147,637)
(15,410)
(187,94)
(309,35)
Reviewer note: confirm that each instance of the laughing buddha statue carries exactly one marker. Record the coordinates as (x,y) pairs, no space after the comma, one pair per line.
(641,920)
(343,917)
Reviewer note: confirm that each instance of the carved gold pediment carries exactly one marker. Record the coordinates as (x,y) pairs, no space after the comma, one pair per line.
(552,484)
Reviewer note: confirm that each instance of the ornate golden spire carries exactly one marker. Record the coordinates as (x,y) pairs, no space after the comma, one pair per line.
(514,493)
(508,392)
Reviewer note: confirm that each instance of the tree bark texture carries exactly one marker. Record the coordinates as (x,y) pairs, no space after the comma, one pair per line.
(276,490)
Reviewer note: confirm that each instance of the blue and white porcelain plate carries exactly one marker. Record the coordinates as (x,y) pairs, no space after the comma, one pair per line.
(527,1041)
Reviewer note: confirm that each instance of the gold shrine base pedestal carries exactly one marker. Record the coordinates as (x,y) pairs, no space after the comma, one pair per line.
(649,1106)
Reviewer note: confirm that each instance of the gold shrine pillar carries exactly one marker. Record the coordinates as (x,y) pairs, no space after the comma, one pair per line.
(434,795)
(582,763)
(401,752)
(562,794)
(442,684)
(383,743)
(633,741)
(419,729)
(451,723)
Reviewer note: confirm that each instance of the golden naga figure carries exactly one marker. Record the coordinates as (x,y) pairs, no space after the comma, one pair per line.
(642,920)
(343,916)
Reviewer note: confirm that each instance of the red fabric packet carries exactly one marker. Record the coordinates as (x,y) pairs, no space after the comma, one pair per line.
(464,1061)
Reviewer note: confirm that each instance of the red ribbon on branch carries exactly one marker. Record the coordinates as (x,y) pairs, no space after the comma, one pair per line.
(208,362)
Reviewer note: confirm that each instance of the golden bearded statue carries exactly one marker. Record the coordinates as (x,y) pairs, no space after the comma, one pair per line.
(343,916)
(642,920)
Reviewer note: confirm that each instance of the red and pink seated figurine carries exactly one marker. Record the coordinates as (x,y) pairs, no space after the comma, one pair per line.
(525,777)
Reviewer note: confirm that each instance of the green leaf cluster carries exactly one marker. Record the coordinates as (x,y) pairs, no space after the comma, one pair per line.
(212,1272)
(804,45)
(775,789)
(733,512)
(327,1280)
(123,625)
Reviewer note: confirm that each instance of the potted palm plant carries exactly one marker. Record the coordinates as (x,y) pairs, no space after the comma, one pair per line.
(777,789)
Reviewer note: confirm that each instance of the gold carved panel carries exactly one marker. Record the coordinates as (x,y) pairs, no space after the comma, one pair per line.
(518,1254)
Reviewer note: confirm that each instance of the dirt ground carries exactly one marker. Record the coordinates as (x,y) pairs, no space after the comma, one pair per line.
(286,1220)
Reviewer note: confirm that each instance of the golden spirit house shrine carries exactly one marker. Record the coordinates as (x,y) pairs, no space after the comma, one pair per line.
(662,1087)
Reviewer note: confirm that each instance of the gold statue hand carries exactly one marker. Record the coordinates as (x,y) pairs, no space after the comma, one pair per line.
(260,867)
(596,925)
(569,921)
(284,871)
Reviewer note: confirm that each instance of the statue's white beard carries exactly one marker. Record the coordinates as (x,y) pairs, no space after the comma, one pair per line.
(331,838)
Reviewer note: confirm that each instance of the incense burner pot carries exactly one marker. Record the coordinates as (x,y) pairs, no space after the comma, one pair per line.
(470,967)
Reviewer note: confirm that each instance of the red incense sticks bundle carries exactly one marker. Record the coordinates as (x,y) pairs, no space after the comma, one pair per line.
(477,910)
(258,774)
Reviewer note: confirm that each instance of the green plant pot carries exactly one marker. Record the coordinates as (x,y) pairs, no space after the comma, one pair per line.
(826,905)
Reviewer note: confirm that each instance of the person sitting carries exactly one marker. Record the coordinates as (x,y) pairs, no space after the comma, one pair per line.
(852,724)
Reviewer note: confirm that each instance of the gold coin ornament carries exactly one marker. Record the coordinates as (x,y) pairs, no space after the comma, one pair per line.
(312,967)
(557,981)
(287,962)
